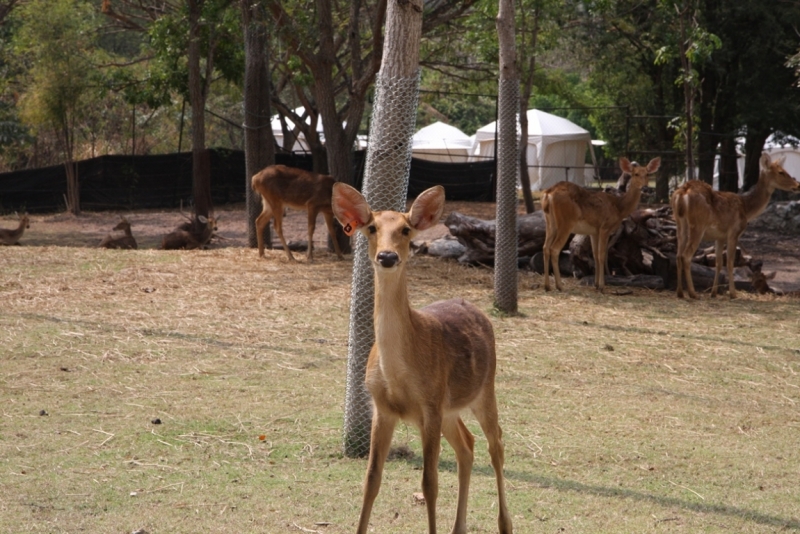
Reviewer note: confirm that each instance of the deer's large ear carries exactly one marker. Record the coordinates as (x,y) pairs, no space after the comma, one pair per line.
(653,166)
(765,161)
(625,165)
(350,208)
(427,209)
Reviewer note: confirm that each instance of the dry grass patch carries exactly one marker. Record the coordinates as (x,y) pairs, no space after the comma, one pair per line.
(621,413)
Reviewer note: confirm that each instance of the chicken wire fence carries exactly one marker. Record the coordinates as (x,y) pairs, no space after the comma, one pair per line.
(505,247)
(385,188)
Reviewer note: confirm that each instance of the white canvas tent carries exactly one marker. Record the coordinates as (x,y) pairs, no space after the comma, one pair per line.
(556,149)
(300,144)
(788,148)
(441,142)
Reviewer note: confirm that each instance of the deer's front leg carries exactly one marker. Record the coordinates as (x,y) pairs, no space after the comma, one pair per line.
(380,441)
(431,431)
(602,258)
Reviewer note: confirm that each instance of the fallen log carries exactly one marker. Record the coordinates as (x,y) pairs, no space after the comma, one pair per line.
(646,281)
(478,236)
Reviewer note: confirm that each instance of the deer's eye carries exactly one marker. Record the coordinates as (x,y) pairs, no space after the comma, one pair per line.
(372,228)
(406,230)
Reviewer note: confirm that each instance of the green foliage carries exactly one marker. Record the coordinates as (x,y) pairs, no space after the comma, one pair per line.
(55,42)
(168,42)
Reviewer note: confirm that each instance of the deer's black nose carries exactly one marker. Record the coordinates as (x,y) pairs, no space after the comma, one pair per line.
(388,259)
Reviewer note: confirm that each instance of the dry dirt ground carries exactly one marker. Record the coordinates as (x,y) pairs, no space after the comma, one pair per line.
(779,252)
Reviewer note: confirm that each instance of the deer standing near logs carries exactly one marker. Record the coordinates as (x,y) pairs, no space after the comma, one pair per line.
(126,241)
(299,189)
(426,365)
(571,209)
(11,237)
(702,213)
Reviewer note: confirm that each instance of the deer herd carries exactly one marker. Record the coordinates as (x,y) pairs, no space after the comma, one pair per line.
(700,213)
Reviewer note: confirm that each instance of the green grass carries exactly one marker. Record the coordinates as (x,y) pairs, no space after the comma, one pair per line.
(631,413)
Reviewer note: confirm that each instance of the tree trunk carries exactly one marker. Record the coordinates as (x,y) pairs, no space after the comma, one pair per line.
(259,143)
(526,90)
(688,97)
(72,197)
(505,269)
(707,139)
(201,168)
(388,163)
(339,153)
(753,146)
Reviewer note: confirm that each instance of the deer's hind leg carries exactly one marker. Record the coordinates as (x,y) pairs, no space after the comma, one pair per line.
(463,443)
(277,212)
(485,410)
(261,223)
(694,236)
(557,243)
(548,243)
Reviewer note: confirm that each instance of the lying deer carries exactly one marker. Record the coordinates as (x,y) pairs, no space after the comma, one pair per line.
(571,209)
(426,365)
(760,282)
(192,234)
(702,213)
(11,237)
(281,186)
(126,241)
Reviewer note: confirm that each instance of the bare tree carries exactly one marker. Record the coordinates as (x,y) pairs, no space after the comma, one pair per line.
(343,59)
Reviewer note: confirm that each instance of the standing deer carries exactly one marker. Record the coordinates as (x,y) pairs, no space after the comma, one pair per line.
(702,213)
(571,209)
(426,365)
(11,237)
(281,186)
(126,241)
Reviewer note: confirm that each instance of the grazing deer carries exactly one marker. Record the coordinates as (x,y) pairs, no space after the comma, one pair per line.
(11,237)
(702,213)
(126,241)
(192,234)
(426,365)
(281,186)
(571,209)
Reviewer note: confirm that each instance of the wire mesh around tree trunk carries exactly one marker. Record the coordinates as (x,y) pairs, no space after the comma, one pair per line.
(505,248)
(385,186)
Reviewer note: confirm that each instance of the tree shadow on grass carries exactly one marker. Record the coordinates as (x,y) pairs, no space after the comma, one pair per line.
(622,493)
